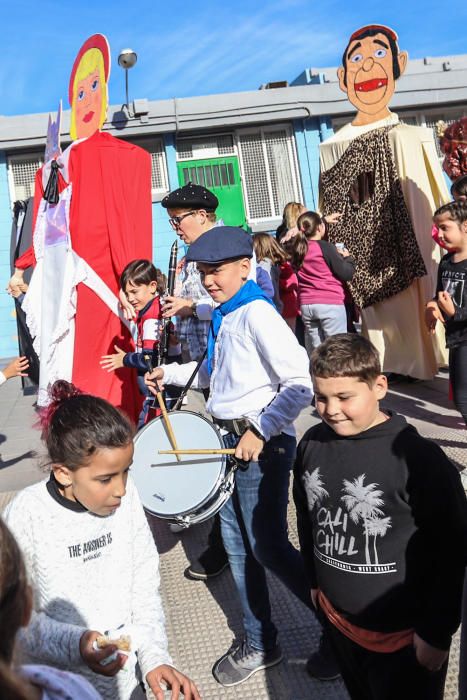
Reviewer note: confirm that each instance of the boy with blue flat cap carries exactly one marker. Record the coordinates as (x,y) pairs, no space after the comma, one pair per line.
(259,382)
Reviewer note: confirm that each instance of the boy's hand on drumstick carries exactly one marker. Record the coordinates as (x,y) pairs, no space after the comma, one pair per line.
(113,362)
(428,656)
(446,304)
(432,316)
(150,379)
(16,368)
(93,657)
(176,681)
(249,447)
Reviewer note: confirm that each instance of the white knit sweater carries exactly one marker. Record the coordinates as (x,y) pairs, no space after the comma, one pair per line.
(89,572)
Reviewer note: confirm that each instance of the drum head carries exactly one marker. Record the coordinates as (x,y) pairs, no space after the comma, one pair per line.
(168,488)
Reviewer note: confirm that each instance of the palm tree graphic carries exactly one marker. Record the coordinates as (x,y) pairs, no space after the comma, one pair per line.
(362,503)
(314,488)
(377,527)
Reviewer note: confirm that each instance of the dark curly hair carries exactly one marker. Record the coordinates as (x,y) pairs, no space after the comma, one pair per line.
(457,211)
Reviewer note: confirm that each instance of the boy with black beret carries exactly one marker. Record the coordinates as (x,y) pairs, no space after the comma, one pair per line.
(259,382)
(192,212)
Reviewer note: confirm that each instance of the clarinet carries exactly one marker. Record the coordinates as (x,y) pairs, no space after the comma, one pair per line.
(167,330)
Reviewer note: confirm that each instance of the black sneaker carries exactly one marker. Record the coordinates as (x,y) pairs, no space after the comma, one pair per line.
(242,661)
(322,664)
(211,563)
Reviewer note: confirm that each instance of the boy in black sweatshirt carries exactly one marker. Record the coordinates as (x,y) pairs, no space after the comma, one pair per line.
(382,522)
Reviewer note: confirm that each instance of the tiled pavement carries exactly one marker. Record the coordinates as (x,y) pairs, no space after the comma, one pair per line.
(202,619)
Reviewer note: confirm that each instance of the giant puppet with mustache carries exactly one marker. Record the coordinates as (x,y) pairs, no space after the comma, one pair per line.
(386,180)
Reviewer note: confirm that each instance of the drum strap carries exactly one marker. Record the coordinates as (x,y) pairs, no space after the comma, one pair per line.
(187,386)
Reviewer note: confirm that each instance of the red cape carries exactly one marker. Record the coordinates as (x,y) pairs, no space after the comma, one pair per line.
(110,225)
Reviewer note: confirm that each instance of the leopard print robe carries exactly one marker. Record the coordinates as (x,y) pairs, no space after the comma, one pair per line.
(375,224)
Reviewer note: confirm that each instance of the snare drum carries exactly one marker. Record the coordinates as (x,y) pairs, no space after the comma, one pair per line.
(190,490)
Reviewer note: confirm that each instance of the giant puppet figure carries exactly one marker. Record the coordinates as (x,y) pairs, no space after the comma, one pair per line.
(94,216)
(386,179)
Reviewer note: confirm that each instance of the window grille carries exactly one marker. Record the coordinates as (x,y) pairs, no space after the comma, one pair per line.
(411,120)
(211,175)
(159,177)
(22,171)
(270,171)
(210,146)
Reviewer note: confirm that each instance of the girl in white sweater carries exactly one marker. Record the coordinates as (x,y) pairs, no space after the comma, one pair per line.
(91,556)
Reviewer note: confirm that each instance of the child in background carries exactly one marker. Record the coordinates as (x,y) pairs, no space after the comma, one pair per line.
(459,188)
(382,523)
(450,303)
(288,290)
(288,226)
(16,368)
(90,555)
(270,256)
(321,270)
(142,284)
(27,682)
(459,194)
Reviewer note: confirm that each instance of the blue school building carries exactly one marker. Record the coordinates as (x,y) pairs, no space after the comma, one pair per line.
(255,150)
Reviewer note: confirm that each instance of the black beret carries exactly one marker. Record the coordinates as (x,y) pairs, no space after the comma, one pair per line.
(221,243)
(191,197)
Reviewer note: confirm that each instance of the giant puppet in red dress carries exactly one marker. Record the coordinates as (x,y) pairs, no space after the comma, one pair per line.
(101,222)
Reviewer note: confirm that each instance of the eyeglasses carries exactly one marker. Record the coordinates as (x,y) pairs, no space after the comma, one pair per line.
(175,221)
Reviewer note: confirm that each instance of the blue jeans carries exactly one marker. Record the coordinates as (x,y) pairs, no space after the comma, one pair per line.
(255,534)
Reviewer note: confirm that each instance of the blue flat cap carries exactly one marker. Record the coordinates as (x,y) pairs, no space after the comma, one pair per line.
(221,243)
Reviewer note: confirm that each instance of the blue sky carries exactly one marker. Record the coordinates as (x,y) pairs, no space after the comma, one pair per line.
(193,48)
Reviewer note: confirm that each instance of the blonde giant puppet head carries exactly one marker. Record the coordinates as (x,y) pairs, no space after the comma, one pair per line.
(87,91)
(371,64)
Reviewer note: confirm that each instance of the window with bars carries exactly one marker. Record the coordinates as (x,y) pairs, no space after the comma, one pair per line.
(159,177)
(22,171)
(209,175)
(270,171)
(210,146)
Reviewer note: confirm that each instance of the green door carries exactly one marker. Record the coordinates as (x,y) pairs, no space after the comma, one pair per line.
(221,176)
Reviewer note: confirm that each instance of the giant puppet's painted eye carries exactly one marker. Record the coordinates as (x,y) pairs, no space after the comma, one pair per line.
(95,84)
(380,53)
(356,58)
(80,94)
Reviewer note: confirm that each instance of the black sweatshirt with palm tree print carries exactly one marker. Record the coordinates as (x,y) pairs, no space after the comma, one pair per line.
(382,523)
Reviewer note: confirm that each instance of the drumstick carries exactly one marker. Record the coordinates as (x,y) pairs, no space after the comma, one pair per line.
(207,451)
(165,415)
(168,424)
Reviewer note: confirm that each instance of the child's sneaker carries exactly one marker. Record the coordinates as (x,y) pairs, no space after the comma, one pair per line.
(242,661)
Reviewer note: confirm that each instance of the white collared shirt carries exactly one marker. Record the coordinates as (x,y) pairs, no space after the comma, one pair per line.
(260,371)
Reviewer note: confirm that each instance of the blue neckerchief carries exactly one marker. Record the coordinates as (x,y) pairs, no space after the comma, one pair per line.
(249,292)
